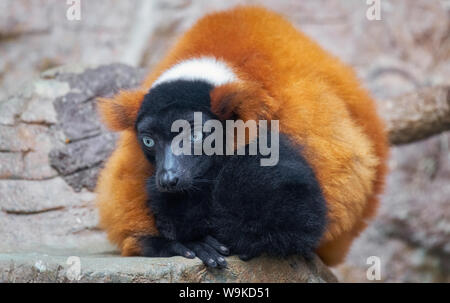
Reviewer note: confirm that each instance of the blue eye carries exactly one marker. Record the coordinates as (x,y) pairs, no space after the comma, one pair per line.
(149,142)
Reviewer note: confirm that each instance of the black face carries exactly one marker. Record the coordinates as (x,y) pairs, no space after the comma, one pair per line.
(164,105)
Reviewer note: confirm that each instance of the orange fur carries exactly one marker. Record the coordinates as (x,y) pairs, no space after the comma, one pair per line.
(282,75)
(121,195)
(120,112)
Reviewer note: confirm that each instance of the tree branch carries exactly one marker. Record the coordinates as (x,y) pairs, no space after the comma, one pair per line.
(418,115)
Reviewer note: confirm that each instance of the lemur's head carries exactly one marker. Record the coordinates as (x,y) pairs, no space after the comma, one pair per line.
(203,85)
(177,167)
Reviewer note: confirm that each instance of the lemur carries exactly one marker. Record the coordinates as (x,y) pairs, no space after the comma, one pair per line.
(249,63)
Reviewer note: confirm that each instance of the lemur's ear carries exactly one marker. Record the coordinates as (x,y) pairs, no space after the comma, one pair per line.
(244,100)
(120,112)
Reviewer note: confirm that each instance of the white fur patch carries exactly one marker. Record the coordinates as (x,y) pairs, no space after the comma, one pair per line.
(208,69)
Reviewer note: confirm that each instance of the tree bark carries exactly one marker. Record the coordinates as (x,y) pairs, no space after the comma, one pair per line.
(418,115)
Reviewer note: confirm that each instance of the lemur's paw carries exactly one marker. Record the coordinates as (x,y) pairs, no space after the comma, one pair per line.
(162,247)
(210,251)
(179,249)
(222,249)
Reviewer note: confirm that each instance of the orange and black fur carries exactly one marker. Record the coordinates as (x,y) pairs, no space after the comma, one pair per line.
(212,204)
(278,74)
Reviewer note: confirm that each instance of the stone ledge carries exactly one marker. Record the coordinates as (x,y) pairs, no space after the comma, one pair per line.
(33,267)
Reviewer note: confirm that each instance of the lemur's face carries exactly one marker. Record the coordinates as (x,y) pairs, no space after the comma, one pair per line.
(175,171)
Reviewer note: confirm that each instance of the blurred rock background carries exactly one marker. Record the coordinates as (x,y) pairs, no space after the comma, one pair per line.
(44,203)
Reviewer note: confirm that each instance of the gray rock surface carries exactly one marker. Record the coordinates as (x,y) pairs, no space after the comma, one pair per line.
(411,234)
(52,146)
(112,268)
(404,50)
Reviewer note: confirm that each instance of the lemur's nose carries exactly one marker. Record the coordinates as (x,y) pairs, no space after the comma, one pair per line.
(168,179)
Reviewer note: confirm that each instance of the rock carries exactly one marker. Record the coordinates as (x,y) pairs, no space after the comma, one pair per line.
(72,228)
(21,138)
(112,268)
(99,38)
(52,146)
(400,261)
(407,48)
(412,230)
(422,172)
(80,160)
(12,164)
(22,196)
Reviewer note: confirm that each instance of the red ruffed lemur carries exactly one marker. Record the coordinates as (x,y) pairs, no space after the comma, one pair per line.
(248,64)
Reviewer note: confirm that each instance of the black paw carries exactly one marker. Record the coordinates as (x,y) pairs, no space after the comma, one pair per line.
(179,249)
(222,249)
(210,251)
(161,247)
